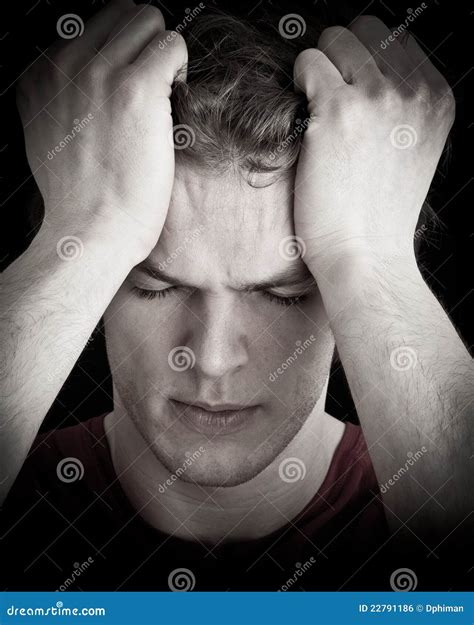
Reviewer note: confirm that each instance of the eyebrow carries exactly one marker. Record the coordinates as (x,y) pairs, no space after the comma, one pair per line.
(296,275)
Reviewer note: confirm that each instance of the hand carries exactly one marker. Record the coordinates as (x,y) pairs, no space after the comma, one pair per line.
(380,119)
(98,126)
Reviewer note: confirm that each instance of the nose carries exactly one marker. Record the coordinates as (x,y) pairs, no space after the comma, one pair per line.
(219,339)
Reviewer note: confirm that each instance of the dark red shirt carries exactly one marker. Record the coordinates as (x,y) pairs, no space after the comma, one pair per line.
(85,535)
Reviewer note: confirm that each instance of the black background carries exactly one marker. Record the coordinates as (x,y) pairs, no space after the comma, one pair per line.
(444,30)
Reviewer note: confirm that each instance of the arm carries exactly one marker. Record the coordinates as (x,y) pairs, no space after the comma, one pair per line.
(379,123)
(49,309)
(97,137)
(412,381)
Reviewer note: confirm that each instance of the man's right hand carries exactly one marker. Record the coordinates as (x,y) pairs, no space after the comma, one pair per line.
(98,126)
(107,184)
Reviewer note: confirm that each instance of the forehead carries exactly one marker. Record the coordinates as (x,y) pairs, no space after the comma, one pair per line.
(221,227)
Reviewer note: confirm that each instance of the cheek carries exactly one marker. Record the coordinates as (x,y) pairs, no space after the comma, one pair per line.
(298,348)
(297,323)
(140,335)
(135,336)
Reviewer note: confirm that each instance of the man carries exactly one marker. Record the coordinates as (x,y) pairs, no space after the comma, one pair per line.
(228,264)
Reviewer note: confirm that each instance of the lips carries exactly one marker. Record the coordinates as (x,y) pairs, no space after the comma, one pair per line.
(216,419)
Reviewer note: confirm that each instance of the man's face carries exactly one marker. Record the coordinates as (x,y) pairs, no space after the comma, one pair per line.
(221,333)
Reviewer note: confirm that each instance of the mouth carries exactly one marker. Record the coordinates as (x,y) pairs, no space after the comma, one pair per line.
(218,419)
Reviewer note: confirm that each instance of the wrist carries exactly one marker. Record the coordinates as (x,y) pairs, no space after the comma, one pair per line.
(359,270)
(77,250)
(102,232)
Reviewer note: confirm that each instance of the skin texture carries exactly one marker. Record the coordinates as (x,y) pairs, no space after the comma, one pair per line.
(238,338)
(356,200)
(380,121)
(378,117)
(103,204)
(125,141)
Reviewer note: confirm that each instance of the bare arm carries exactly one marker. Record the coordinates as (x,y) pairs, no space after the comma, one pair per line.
(380,119)
(50,307)
(97,137)
(412,380)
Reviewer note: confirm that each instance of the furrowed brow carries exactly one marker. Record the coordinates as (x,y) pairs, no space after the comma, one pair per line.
(297,275)
(155,272)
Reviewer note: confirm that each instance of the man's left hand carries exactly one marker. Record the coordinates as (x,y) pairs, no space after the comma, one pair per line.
(380,116)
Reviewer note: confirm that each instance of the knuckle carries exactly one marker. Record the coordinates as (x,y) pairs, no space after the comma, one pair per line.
(450,100)
(349,107)
(153,14)
(330,35)
(96,71)
(306,63)
(307,56)
(178,43)
(447,104)
(129,87)
(365,21)
(61,58)
(377,88)
(423,93)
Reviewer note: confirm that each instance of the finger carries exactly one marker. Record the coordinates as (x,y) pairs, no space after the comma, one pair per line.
(423,64)
(71,55)
(315,75)
(163,60)
(392,59)
(132,33)
(348,54)
(98,28)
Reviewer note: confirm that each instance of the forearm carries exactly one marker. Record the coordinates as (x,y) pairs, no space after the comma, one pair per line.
(49,308)
(412,381)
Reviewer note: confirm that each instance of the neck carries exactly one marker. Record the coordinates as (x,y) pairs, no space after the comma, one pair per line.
(214,514)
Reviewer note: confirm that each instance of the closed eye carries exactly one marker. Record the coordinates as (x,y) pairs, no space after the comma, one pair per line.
(150,294)
(285,301)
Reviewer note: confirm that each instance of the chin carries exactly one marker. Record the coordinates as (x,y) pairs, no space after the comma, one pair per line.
(222,476)
(225,461)
(215,466)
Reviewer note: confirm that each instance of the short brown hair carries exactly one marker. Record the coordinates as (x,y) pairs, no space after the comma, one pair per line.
(239,102)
